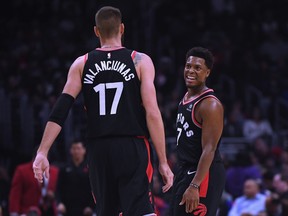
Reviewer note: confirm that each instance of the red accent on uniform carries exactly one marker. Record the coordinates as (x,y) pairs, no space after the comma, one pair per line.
(201,210)
(85,57)
(149,170)
(133,54)
(204,186)
(193,110)
(94,198)
(191,99)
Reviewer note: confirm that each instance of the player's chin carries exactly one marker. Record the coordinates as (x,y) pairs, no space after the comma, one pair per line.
(190,85)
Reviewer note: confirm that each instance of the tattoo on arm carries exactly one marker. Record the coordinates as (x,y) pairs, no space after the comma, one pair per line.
(137,58)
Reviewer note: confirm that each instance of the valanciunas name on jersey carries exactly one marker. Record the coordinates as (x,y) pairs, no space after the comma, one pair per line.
(106,66)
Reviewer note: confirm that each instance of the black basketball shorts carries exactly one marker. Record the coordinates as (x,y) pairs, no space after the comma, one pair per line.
(120,172)
(210,190)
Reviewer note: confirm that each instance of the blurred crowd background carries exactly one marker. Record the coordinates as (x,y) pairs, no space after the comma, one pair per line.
(40,40)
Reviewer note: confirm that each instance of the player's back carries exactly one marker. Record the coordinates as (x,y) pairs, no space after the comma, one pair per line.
(111,90)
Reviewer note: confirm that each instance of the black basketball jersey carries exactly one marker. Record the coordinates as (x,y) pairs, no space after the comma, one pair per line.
(111,90)
(189,132)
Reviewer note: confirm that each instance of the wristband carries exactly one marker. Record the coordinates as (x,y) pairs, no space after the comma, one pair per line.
(194,185)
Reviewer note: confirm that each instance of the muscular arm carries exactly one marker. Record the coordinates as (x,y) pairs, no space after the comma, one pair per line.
(210,112)
(72,87)
(52,129)
(153,116)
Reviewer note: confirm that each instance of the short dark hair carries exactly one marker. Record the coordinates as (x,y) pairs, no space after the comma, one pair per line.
(76,141)
(107,20)
(204,53)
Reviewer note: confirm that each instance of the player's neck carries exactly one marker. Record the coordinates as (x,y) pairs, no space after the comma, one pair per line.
(195,92)
(77,162)
(105,46)
(111,44)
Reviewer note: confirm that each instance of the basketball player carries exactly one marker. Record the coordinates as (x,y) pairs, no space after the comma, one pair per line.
(122,112)
(200,179)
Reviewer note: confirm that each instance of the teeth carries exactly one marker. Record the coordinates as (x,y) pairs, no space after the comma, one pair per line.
(190,77)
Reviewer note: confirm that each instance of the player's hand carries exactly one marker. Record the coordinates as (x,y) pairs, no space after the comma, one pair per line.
(190,199)
(41,167)
(167,176)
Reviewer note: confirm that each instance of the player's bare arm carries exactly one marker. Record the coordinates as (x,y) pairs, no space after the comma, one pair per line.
(72,87)
(52,129)
(153,116)
(73,84)
(211,114)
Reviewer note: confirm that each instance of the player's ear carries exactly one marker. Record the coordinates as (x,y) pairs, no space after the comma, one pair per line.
(122,28)
(208,73)
(96,31)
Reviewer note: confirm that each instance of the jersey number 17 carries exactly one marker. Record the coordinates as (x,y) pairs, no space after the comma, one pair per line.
(101,88)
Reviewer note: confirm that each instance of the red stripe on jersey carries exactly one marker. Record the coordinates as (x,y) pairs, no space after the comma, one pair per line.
(133,54)
(191,99)
(204,186)
(85,57)
(149,169)
(94,198)
(194,120)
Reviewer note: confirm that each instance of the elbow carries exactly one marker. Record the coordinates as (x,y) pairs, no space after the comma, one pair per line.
(152,115)
(210,150)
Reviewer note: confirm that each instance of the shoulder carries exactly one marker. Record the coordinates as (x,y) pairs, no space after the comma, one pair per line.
(261,196)
(240,199)
(141,57)
(78,65)
(80,61)
(143,64)
(211,103)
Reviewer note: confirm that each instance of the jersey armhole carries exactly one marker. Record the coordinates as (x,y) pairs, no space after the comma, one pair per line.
(194,120)
(85,57)
(133,54)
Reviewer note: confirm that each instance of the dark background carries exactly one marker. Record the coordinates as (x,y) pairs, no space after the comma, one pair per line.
(40,40)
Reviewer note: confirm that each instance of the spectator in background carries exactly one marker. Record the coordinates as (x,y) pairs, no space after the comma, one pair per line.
(251,203)
(26,192)
(257,126)
(267,182)
(263,152)
(73,189)
(34,211)
(233,126)
(277,202)
(225,204)
(242,169)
